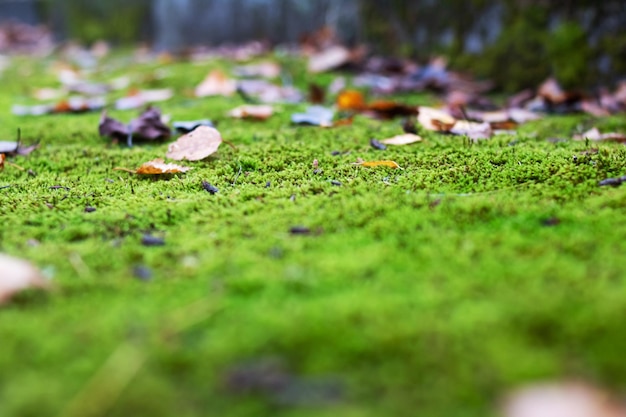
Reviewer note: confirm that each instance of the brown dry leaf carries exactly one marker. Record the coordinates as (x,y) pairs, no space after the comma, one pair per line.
(390,109)
(196,145)
(328,59)
(562,400)
(593,108)
(400,140)
(595,135)
(351,100)
(17,275)
(260,112)
(216,84)
(374,164)
(159,167)
(2,158)
(434,119)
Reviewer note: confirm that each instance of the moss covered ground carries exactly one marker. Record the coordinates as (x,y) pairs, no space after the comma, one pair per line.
(427,291)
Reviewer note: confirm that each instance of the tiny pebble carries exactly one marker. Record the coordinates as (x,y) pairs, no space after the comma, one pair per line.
(317,171)
(149,240)
(335,153)
(89,209)
(552,221)
(613,182)
(142,272)
(209,188)
(300,230)
(377,145)
(337,183)
(268,184)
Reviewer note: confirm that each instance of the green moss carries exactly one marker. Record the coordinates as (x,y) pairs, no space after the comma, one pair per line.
(430,290)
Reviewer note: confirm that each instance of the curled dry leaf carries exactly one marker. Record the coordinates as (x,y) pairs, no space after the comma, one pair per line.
(400,140)
(16,276)
(258,112)
(159,167)
(2,158)
(112,128)
(551,91)
(376,164)
(150,126)
(435,120)
(390,109)
(216,84)
(562,400)
(196,145)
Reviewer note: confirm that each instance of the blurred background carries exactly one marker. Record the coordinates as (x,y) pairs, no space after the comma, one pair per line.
(516,43)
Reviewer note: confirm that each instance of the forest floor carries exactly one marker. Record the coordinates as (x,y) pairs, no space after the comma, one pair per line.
(431,290)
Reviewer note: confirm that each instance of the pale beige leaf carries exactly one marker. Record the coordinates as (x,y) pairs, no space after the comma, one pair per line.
(472,130)
(400,140)
(595,135)
(159,167)
(17,275)
(561,400)
(329,59)
(195,145)
(216,84)
(258,112)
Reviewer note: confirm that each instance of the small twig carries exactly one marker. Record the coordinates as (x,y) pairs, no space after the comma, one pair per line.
(15,165)
(238,173)
(230,144)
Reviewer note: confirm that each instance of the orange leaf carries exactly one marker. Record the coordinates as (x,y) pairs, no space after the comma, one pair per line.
(2,157)
(350,100)
(374,164)
(158,167)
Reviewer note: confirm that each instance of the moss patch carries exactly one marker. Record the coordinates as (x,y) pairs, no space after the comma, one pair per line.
(429,291)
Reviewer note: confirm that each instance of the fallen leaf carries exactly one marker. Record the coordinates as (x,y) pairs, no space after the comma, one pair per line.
(435,120)
(328,59)
(18,275)
(195,145)
(551,90)
(316,94)
(562,400)
(150,126)
(265,69)
(141,98)
(216,84)
(2,158)
(374,164)
(390,109)
(158,167)
(314,116)
(472,130)
(400,140)
(351,100)
(16,148)
(112,128)
(595,135)
(258,112)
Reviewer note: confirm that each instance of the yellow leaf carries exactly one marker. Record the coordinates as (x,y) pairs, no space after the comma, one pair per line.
(374,164)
